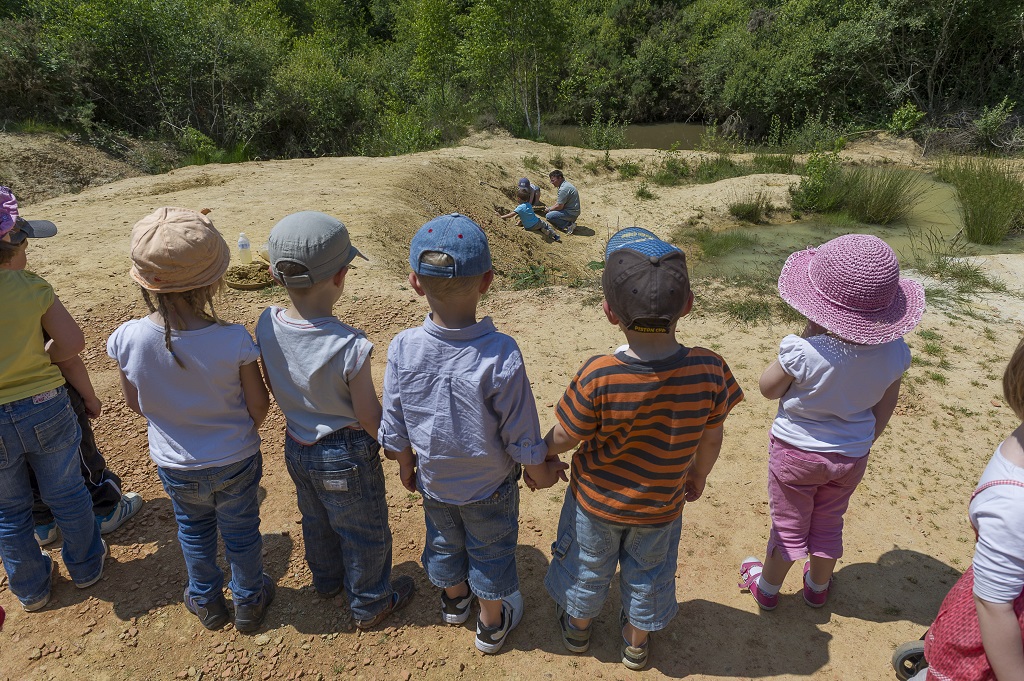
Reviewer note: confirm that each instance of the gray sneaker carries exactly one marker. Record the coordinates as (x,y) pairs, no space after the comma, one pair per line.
(570,228)
(575,640)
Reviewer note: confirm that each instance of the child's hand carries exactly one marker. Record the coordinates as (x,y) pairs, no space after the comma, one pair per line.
(407,469)
(93,406)
(545,474)
(694,487)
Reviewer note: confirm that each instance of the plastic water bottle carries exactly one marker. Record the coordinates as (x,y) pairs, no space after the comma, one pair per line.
(244,251)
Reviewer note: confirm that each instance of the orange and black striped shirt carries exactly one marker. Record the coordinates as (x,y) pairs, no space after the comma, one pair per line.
(639,424)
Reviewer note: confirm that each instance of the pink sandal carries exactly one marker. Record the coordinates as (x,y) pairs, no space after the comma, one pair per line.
(750,571)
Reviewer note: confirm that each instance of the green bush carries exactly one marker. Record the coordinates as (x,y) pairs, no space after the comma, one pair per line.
(598,133)
(629,169)
(991,121)
(989,195)
(672,170)
(643,192)
(905,119)
(881,196)
(821,188)
(754,208)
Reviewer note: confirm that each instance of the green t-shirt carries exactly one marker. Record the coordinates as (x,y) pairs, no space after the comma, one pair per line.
(25,368)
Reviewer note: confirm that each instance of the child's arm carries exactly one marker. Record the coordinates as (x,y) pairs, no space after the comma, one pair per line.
(364,400)
(883,410)
(774,382)
(254,392)
(553,469)
(506,216)
(1000,636)
(708,449)
(77,375)
(406,466)
(131,394)
(66,338)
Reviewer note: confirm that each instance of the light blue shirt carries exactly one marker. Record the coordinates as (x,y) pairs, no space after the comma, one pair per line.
(309,364)
(835,385)
(526,214)
(461,399)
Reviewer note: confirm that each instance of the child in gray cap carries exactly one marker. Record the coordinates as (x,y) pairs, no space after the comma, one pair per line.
(319,371)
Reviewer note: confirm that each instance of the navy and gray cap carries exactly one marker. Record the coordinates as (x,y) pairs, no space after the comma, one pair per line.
(313,240)
(645,280)
(456,236)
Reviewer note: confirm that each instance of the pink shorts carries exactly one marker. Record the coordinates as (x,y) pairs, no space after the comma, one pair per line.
(808,493)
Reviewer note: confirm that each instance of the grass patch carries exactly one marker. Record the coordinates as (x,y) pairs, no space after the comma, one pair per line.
(775,163)
(530,276)
(557,160)
(715,168)
(643,192)
(880,196)
(629,170)
(754,208)
(671,170)
(989,196)
(716,244)
(532,163)
(929,335)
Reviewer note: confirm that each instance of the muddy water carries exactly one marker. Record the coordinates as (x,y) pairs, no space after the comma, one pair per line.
(658,136)
(934,220)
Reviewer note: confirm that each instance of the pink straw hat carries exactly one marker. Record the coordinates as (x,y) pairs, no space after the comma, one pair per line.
(851,286)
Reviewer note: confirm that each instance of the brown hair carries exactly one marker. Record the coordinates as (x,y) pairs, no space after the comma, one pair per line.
(556,173)
(1013,381)
(198,300)
(524,195)
(9,250)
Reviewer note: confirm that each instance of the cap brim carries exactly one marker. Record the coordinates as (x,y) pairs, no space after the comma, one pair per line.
(37,229)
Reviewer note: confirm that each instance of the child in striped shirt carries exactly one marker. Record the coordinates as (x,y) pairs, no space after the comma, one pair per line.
(648,422)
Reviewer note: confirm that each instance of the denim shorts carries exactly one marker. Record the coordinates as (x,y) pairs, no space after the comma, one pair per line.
(339,482)
(583,562)
(475,542)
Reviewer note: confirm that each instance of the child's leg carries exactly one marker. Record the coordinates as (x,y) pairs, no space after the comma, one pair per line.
(583,562)
(192,497)
(341,494)
(238,518)
(648,558)
(825,536)
(492,533)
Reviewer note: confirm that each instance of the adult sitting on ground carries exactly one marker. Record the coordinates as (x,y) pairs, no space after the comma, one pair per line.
(563,214)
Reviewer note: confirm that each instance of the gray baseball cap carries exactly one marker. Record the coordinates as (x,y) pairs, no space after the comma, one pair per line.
(313,240)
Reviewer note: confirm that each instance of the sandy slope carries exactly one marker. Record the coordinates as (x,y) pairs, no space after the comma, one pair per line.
(907,533)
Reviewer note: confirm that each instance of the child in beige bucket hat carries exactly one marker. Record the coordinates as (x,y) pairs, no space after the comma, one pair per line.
(196,380)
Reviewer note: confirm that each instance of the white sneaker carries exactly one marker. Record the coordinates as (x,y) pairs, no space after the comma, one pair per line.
(490,639)
(570,228)
(456,610)
(130,504)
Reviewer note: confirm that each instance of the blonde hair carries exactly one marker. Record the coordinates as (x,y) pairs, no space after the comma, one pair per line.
(1013,381)
(446,287)
(198,300)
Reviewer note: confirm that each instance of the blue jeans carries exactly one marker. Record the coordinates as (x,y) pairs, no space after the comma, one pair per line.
(583,562)
(224,498)
(339,482)
(42,432)
(559,219)
(475,541)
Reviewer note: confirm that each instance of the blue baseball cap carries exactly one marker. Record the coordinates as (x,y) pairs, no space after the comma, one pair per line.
(456,236)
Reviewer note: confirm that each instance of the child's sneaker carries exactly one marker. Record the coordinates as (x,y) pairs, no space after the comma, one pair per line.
(813,598)
(405,589)
(633,657)
(130,504)
(490,639)
(103,559)
(456,610)
(46,534)
(575,640)
(212,615)
(750,571)
(249,617)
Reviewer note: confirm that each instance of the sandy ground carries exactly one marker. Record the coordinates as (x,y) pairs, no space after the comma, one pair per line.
(907,533)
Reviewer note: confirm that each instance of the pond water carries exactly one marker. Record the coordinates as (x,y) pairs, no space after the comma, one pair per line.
(657,136)
(934,221)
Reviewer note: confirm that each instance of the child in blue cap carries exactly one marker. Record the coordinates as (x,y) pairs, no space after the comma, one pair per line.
(460,419)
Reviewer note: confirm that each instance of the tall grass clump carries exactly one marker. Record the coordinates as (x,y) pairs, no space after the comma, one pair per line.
(754,208)
(715,168)
(881,196)
(629,169)
(989,195)
(775,163)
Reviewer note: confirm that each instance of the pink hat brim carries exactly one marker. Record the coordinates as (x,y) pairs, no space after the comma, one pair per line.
(867,328)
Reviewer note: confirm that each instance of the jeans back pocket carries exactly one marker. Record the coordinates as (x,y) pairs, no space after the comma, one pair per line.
(340,487)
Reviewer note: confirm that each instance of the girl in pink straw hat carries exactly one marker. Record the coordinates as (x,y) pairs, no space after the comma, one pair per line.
(837,385)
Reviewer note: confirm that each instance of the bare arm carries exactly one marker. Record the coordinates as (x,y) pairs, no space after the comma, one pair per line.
(131,394)
(883,410)
(254,392)
(66,338)
(774,382)
(506,216)
(708,449)
(365,403)
(77,375)
(406,466)
(559,440)
(1000,635)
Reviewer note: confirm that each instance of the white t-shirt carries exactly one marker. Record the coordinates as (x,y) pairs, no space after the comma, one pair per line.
(310,363)
(197,415)
(998,514)
(835,384)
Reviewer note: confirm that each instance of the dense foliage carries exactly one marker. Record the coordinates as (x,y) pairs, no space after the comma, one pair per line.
(311,77)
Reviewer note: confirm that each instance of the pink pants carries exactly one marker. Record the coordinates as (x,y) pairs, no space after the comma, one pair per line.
(808,493)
